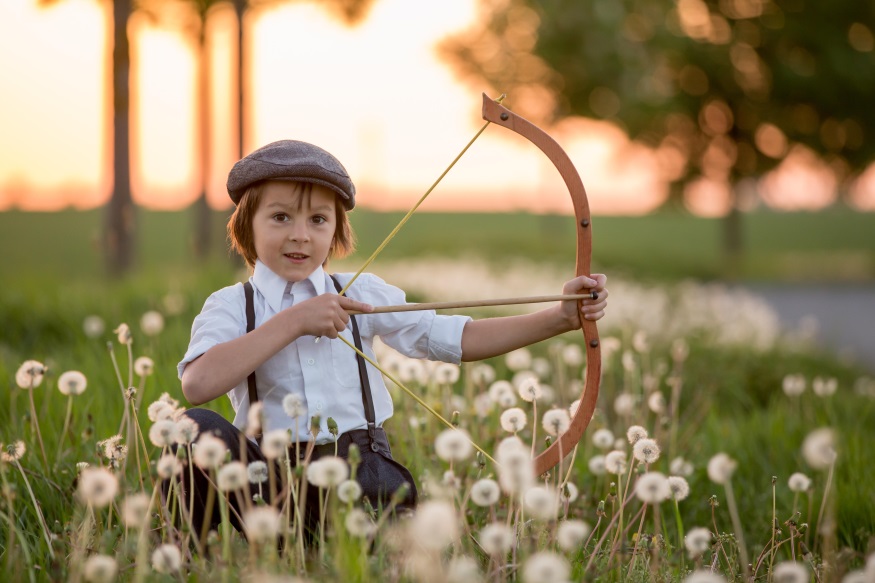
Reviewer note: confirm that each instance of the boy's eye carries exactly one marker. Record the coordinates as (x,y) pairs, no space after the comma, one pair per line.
(281,217)
(319,219)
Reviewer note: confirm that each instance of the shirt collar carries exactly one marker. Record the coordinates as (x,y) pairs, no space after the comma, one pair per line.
(274,287)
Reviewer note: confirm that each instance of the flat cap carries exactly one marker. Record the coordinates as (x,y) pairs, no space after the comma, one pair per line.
(291,160)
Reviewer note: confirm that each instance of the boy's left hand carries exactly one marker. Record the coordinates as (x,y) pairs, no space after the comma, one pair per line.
(591,309)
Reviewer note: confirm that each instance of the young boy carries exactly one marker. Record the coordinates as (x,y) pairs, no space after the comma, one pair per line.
(292,199)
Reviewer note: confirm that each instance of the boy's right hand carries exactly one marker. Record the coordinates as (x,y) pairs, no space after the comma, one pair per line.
(326,315)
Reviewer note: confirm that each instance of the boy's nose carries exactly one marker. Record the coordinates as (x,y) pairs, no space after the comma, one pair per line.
(299,233)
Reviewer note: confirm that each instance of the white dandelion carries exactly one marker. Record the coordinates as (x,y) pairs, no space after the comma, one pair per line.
(254,417)
(93,326)
(327,472)
(818,449)
(187,430)
(652,488)
(232,476)
(275,443)
(453,445)
(483,405)
(541,503)
(262,524)
(349,491)
(257,472)
(294,405)
(462,569)
(496,539)
(679,487)
(624,404)
(166,559)
(603,438)
(646,450)
(163,433)
(167,466)
(704,576)
(160,410)
(541,367)
(858,576)
(572,355)
(482,374)
(680,350)
(546,567)
(597,464)
(628,360)
(635,433)
(529,389)
(100,569)
(568,493)
(720,468)
(518,359)
(446,373)
(123,333)
(152,323)
(13,452)
(513,420)
(793,385)
(573,407)
(698,541)
(72,382)
(485,492)
(615,462)
(434,525)
(790,572)
(30,374)
(571,534)
(359,524)
(209,452)
(556,422)
(500,388)
(134,510)
(516,472)
(656,402)
(799,482)
(824,387)
(97,486)
(680,467)
(144,366)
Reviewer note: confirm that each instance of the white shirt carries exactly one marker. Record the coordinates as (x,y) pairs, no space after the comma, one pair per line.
(326,373)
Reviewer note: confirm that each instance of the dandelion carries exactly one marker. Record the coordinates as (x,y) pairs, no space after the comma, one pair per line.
(257,472)
(790,572)
(294,405)
(482,374)
(624,404)
(446,373)
(720,468)
(680,350)
(646,450)
(13,452)
(152,323)
(97,486)
(72,382)
(123,333)
(571,534)
(262,524)
(518,359)
(546,567)
(510,443)
(799,482)
(529,389)
(858,576)
(134,510)
(603,438)
(573,407)
(556,421)
(163,433)
(100,569)
(818,448)
(167,466)
(541,367)
(793,385)
(635,433)
(463,570)
(597,465)
(568,493)
(703,576)
(541,502)
(451,481)
(680,467)
(513,420)
(628,360)
(824,387)
(187,430)
(572,355)
(697,541)
(453,445)
(144,366)
(232,476)
(358,523)
(254,419)
(166,559)
(656,402)
(639,341)
(496,539)
(30,374)
(652,488)
(483,405)
(327,472)
(615,462)
(349,491)
(209,452)
(434,525)
(678,487)
(275,443)
(173,303)
(412,369)
(160,410)
(500,388)
(93,326)
(113,449)
(515,472)
(485,492)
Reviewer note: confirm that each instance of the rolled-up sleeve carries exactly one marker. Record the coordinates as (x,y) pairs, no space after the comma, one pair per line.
(221,319)
(420,334)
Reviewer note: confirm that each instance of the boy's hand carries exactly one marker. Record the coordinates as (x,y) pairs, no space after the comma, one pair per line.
(326,315)
(591,309)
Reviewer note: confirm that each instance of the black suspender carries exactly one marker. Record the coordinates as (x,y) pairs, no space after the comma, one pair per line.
(367,397)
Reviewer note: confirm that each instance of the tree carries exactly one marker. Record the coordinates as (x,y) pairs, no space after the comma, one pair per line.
(728,85)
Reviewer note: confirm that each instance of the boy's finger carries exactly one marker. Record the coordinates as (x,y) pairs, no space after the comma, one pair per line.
(351,304)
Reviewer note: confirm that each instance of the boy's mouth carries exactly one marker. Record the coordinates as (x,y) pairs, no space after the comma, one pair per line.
(296,256)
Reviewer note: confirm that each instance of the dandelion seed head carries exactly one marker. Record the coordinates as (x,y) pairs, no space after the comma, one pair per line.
(824,387)
(168,465)
(254,417)
(858,576)
(652,488)
(412,370)
(680,467)
(152,323)
(635,433)
(646,450)
(818,448)
(100,569)
(869,569)
(573,407)
(97,486)
(680,350)
(603,438)
(556,422)
(262,524)
(446,373)
(327,472)
(624,405)
(546,567)
(720,468)
(541,367)
(349,491)
(615,462)
(568,493)
(463,570)
(529,389)
(704,576)
(123,333)
(496,539)
(799,482)
(482,374)
(30,374)
(72,382)
(453,445)
(93,326)
(451,481)
(541,503)
(232,476)
(596,465)
(13,452)
(516,472)
(295,406)
(275,443)
(209,451)
(483,405)
(359,524)
(166,559)
(485,492)
(793,385)
(81,466)
(572,355)
(159,410)
(518,359)
(513,420)
(790,572)
(434,525)
(512,442)
(163,433)
(134,510)
(571,534)
(656,402)
(187,430)
(697,541)
(257,472)
(679,487)
(499,389)
(628,361)
(640,342)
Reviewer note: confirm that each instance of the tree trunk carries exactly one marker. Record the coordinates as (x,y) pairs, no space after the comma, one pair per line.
(240,9)
(202,216)
(120,229)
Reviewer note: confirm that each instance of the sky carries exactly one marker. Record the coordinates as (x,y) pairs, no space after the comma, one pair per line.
(375,95)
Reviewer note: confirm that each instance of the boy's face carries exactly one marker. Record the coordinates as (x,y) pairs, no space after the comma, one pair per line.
(292,231)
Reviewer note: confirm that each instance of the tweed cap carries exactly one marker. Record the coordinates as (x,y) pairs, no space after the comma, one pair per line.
(291,160)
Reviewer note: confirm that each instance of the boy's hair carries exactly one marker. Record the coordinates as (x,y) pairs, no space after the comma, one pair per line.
(242,239)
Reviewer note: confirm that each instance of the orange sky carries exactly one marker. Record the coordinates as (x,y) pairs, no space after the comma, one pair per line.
(374,95)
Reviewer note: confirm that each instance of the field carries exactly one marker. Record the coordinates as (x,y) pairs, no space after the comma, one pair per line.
(703,369)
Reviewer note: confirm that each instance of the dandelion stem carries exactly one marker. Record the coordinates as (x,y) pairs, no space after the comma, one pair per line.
(37,509)
(35,423)
(680,525)
(736,525)
(823,503)
(9,547)
(66,427)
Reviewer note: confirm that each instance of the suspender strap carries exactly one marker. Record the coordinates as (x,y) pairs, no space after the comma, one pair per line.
(367,397)
(250,326)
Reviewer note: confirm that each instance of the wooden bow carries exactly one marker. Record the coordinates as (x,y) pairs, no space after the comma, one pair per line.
(500,115)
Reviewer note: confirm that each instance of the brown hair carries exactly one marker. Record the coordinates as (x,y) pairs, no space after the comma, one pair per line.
(242,240)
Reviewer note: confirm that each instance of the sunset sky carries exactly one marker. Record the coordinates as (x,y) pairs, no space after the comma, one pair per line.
(375,95)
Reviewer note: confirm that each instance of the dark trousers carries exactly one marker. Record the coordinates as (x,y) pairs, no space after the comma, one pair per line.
(378,473)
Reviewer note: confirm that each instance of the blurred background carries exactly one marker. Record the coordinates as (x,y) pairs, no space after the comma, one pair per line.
(723,140)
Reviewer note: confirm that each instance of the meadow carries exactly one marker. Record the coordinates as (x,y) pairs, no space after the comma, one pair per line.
(755,463)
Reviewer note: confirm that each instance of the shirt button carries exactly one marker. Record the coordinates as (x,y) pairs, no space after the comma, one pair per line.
(310,361)
(319,405)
